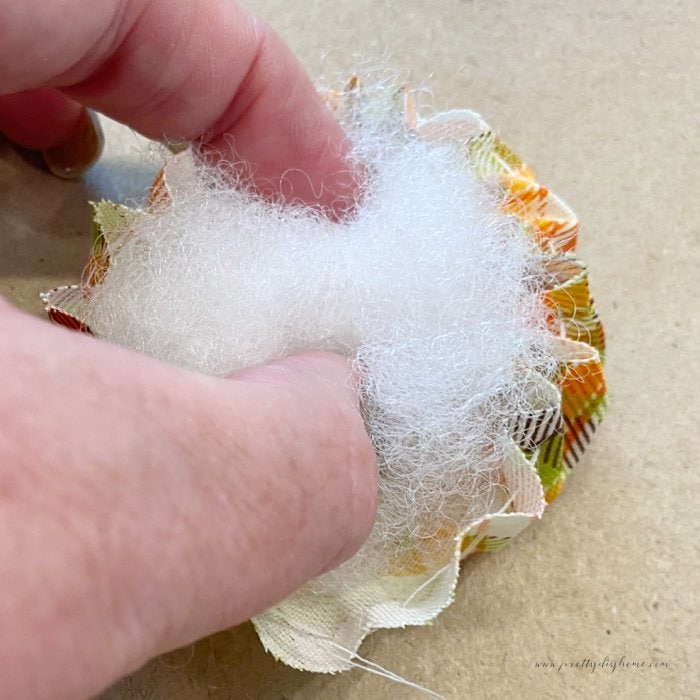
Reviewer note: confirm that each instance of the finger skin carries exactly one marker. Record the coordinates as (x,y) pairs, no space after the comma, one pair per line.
(143,506)
(185,69)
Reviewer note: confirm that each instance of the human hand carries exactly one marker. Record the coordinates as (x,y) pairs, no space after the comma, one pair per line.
(142,506)
(184,69)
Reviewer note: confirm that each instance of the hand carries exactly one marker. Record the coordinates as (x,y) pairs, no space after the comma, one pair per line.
(142,506)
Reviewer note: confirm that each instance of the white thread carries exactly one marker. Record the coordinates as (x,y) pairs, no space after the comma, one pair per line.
(371,667)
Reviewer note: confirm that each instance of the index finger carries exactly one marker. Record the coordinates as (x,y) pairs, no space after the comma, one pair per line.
(186,70)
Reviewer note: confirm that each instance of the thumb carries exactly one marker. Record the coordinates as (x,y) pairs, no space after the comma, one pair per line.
(144,506)
(302,481)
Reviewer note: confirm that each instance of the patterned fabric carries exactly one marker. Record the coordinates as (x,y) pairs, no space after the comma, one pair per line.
(320,632)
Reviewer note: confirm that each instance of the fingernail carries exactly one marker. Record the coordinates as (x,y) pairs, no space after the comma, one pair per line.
(80,151)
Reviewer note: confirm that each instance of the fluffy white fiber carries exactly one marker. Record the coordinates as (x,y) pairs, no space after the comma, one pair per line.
(428,288)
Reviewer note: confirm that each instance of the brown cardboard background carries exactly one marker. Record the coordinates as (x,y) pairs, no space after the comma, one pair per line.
(602,100)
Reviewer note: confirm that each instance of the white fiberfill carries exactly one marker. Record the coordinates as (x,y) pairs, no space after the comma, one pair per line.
(428,288)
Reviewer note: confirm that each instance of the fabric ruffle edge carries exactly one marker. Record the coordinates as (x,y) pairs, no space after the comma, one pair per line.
(323,633)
